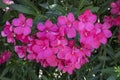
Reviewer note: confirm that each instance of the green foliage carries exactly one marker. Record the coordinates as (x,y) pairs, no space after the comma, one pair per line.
(104,63)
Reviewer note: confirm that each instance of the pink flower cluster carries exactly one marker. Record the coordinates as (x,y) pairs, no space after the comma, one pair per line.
(65,45)
(115,7)
(4,57)
(115,10)
(114,21)
(19,29)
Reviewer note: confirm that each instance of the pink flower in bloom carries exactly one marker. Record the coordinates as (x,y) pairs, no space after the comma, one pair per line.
(52,46)
(23,39)
(8,2)
(47,30)
(110,20)
(40,50)
(73,59)
(22,25)
(32,55)
(5,56)
(21,51)
(115,7)
(67,25)
(87,39)
(103,32)
(86,21)
(8,32)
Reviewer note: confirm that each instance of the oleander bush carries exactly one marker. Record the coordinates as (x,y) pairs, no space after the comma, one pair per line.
(59,39)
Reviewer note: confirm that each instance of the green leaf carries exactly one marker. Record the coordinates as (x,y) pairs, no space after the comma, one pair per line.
(104,7)
(111,78)
(2,5)
(109,70)
(103,58)
(45,5)
(3,78)
(81,4)
(5,72)
(44,77)
(54,9)
(109,50)
(31,5)
(117,54)
(23,9)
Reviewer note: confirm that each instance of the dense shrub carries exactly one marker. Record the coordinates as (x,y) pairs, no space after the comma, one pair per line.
(60,40)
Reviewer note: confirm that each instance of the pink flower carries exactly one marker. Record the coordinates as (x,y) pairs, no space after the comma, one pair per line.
(31,56)
(103,32)
(23,39)
(62,52)
(42,49)
(8,2)
(47,30)
(67,25)
(67,45)
(110,20)
(8,32)
(86,21)
(115,7)
(21,51)
(5,56)
(52,61)
(22,25)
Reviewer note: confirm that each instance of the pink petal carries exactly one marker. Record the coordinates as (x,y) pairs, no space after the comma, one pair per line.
(31,56)
(21,55)
(41,34)
(75,24)
(36,49)
(68,56)
(3,34)
(103,40)
(71,33)
(107,33)
(54,28)
(93,18)
(41,55)
(70,17)
(16,22)
(87,52)
(52,61)
(48,24)
(40,27)
(62,20)
(18,30)
(81,26)
(113,5)
(26,31)
(62,31)
(29,22)
(61,55)
(114,11)
(10,40)
(51,36)
(7,23)
(106,25)
(89,26)
(48,52)
(22,17)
